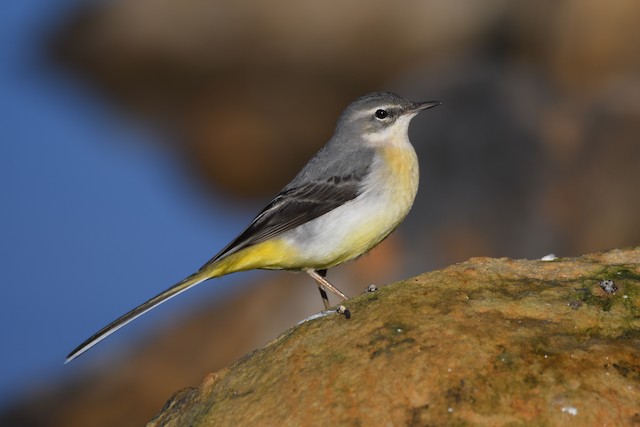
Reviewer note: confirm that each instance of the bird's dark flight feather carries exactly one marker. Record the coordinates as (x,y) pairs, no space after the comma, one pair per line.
(293,207)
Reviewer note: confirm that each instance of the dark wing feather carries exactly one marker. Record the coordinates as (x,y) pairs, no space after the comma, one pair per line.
(293,207)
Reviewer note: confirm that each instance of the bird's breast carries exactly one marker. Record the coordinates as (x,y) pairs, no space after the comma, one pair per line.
(397,174)
(357,226)
(392,185)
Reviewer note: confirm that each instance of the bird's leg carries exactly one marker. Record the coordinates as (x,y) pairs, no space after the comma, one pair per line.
(323,293)
(324,283)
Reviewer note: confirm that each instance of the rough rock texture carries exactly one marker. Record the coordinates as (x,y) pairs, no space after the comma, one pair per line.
(484,342)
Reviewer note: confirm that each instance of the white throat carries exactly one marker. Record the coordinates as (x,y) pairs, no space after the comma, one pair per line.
(396,134)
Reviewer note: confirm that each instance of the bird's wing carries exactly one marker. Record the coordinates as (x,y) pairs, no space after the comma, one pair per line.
(295,206)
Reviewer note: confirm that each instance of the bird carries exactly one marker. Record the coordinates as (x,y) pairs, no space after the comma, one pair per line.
(350,196)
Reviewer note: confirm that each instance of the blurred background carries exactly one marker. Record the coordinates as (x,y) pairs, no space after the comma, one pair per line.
(138,137)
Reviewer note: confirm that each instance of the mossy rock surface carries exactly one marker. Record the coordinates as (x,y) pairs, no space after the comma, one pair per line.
(485,342)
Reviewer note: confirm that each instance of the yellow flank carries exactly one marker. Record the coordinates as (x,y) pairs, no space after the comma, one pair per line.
(273,254)
(361,240)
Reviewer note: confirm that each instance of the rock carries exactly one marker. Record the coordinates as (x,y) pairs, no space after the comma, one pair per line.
(483,342)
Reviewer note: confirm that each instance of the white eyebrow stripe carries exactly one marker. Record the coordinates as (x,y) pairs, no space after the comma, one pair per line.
(370,112)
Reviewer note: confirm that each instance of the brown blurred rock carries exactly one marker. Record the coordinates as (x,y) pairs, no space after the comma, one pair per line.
(584,46)
(484,342)
(535,149)
(510,165)
(253,89)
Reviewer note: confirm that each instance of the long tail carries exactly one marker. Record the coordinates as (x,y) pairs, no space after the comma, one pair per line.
(176,289)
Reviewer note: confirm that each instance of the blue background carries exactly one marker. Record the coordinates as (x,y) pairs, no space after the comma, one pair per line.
(86,214)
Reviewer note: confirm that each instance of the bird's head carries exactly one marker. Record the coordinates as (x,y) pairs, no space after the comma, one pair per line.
(379,118)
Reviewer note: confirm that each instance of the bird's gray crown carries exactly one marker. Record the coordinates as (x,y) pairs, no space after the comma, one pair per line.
(371,101)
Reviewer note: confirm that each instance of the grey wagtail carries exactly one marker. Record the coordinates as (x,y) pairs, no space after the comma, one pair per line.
(350,196)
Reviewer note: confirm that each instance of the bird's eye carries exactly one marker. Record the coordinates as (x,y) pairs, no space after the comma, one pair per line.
(381,114)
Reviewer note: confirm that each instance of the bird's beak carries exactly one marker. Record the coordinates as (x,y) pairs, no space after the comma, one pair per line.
(419,106)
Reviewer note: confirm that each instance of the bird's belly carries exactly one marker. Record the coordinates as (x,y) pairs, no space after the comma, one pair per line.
(360,224)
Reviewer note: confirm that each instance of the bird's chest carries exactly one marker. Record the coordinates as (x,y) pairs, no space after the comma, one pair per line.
(395,178)
(355,227)
(386,200)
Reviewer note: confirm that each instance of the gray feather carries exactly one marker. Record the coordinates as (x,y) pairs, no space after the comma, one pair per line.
(315,191)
